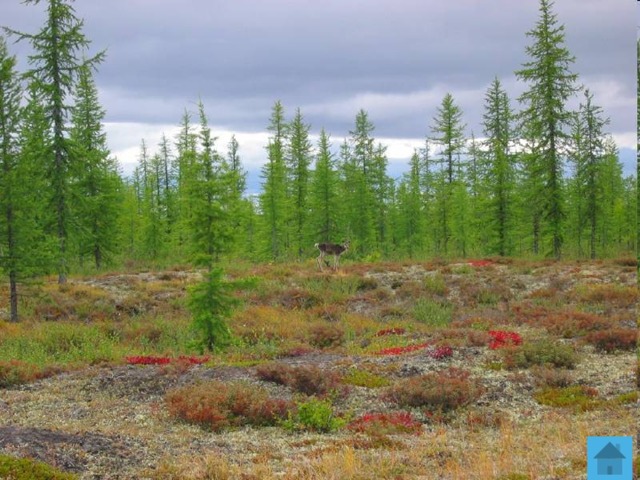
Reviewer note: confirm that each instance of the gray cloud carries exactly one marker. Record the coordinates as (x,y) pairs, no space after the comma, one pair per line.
(330,58)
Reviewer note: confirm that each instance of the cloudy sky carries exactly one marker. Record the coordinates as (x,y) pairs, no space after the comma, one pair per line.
(395,59)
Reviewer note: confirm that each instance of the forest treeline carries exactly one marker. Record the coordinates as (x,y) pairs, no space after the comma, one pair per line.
(539,180)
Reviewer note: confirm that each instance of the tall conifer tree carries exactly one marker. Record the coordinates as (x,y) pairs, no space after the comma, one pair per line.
(545,116)
(55,65)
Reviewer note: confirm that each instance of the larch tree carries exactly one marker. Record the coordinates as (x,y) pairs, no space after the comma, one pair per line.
(297,161)
(209,195)
(273,196)
(356,170)
(97,185)
(447,132)
(546,117)
(324,202)
(588,155)
(498,174)
(10,114)
(58,56)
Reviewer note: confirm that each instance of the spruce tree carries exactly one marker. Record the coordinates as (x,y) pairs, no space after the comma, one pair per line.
(546,117)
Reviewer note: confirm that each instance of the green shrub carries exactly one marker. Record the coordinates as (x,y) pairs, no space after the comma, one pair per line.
(13,468)
(541,352)
(435,284)
(15,372)
(580,397)
(362,378)
(432,313)
(314,415)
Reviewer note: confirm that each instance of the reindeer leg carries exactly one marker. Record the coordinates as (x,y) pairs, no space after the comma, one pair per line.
(319,260)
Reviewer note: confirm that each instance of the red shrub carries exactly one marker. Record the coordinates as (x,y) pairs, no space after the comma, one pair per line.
(502,338)
(151,360)
(441,391)
(480,263)
(309,380)
(217,405)
(401,350)
(147,360)
(386,424)
(391,331)
(439,353)
(614,339)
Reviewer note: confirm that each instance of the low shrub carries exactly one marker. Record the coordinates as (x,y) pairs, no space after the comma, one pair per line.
(441,391)
(607,294)
(16,372)
(27,469)
(363,378)
(541,352)
(551,377)
(580,397)
(438,353)
(376,424)
(326,336)
(315,415)
(615,339)
(502,338)
(436,285)
(153,360)
(217,405)
(480,263)
(391,331)
(309,380)
(402,350)
(432,313)
(299,299)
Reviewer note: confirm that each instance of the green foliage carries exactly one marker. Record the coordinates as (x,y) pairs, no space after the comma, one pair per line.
(433,313)
(363,378)
(498,171)
(54,72)
(323,194)
(97,189)
(314,415)
(13,468)
(577,396)
(211,304)
(541,352)
(544,121)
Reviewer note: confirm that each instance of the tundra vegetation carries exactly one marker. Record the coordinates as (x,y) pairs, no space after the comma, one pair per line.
(480,324)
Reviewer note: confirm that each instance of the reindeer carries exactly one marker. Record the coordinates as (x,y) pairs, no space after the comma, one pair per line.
(331,249)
